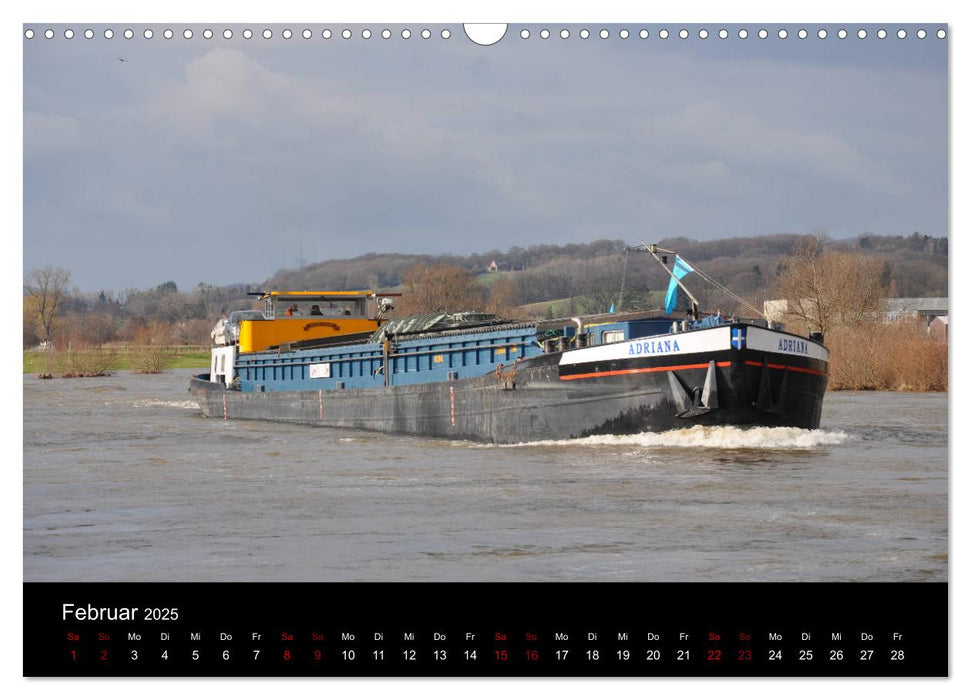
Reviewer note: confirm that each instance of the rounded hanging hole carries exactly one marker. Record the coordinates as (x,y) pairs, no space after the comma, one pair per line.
(485,34)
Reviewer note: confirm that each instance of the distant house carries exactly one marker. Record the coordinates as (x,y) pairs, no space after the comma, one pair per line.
(493,267)
(937,328)
(775,310)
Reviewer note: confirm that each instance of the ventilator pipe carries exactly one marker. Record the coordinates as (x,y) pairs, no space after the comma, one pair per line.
(581,338)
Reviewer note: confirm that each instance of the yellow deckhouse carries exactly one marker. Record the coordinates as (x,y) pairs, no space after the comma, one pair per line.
(291,317)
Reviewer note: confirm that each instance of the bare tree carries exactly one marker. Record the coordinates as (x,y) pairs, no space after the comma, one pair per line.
(213,300)
(46,287)
(31,334)
(829,288)
(431,288)
(504,296)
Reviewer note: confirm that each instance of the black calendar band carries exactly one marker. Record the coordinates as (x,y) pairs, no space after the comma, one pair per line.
(485,629)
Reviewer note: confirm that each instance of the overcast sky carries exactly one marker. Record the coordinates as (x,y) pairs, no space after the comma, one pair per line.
(147,160)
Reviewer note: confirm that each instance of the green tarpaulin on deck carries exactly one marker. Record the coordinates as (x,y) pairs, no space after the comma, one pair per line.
(428,323)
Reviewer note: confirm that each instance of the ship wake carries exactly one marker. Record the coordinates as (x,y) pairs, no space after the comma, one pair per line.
(159,403)
(716,437)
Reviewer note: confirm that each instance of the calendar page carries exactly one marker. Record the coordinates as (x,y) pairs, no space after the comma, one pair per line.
(538,349)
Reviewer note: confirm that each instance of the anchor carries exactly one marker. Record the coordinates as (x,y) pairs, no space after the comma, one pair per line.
(701,400)
(764,400)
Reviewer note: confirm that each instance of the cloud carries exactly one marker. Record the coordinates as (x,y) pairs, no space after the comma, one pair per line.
(747,140)
(222,85)
(424,147)
(47,133)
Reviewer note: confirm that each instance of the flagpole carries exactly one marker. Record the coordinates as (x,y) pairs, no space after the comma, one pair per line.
(653,250)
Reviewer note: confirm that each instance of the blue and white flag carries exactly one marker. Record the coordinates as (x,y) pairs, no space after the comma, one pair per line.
(681,268)
(738,338)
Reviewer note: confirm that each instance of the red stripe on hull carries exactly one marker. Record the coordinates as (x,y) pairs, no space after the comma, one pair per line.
(752,363)
(642,369)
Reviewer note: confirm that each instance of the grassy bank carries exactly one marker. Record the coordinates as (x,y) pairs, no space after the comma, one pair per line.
(95,361)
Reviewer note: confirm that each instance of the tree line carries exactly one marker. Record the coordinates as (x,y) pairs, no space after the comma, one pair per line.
(583,278)
(56,315)
(914,265)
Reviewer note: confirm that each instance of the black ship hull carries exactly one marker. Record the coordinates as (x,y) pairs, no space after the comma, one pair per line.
(565,395)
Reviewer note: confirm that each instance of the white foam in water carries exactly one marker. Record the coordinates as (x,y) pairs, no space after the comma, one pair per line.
(716,437)
(151,403)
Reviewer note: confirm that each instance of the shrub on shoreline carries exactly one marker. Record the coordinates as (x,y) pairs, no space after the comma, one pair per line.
(101,361)
(148,359)
(80,362)
(897,356)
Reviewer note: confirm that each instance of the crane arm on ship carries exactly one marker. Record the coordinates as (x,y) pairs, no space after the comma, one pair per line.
(654,249)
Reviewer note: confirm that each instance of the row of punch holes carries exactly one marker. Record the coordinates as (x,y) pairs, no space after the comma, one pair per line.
(446,33)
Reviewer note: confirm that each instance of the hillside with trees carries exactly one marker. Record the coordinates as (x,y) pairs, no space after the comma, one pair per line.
(589,276)
(541,280)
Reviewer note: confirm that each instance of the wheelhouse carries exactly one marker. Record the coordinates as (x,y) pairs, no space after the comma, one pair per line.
(293,317)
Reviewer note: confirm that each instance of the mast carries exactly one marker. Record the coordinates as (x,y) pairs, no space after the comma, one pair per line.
(623,280)
(662,260)
(653,249)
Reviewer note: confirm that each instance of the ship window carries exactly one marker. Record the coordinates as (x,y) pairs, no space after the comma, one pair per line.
(612,336)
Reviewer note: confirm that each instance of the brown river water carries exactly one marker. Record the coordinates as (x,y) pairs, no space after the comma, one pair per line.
(125,480)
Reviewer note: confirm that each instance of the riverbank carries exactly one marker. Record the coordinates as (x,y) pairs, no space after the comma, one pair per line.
(95,361)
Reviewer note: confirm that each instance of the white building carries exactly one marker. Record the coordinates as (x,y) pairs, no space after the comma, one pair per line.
(926,308)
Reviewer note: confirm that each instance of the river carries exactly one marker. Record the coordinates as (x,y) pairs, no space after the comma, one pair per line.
(125,480)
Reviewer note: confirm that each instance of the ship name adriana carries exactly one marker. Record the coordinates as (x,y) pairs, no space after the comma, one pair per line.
(791,345)
(651,347)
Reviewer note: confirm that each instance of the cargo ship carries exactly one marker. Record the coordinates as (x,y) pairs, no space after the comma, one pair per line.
(335,359)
